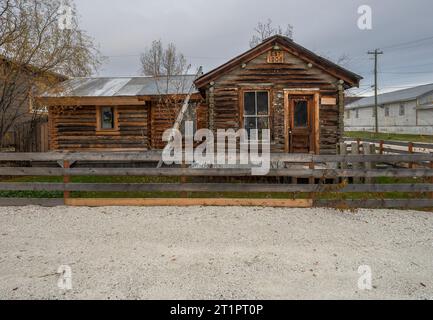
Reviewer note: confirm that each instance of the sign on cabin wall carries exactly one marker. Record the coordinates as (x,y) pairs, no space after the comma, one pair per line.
(328,101)
(276,56)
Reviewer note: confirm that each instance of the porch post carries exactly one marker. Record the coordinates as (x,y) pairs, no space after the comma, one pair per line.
(341,111)
(211,107)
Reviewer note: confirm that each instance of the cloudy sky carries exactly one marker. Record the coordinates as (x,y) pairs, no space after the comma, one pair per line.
(211,32)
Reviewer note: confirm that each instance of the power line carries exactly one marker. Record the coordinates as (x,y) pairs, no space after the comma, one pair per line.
(407,43)
(408,72)
(361,92)
(408,66)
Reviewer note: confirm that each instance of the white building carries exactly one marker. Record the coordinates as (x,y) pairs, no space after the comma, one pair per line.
(404,111)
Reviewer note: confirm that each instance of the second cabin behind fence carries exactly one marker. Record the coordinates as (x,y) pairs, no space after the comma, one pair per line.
(278,85)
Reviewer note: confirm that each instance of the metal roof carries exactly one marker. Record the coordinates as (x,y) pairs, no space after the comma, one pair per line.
(122,86)
(392,97)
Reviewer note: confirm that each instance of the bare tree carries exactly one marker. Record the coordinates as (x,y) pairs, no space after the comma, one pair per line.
(264,30)
(342,60)
(169,69)
(33,49)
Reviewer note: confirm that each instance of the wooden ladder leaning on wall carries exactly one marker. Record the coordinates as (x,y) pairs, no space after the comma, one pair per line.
(181,115)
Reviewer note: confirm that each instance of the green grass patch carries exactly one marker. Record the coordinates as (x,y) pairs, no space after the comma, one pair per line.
(390,136)
(332,195)
(86,179)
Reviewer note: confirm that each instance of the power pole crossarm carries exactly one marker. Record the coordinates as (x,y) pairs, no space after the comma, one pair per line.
(376,53)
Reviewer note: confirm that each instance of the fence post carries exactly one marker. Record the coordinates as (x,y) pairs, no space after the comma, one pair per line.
(343,152)
(66,180)
(431,179)
(311,165)
(367,164)
(373,150)
(183,180)
(355,165)
(410,149)
(381,147)
(358,142)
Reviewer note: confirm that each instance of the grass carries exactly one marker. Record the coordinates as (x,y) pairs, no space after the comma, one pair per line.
(390,136)
(86,179)
(240,195)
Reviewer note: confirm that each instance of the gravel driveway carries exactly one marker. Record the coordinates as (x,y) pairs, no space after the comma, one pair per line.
(214,253)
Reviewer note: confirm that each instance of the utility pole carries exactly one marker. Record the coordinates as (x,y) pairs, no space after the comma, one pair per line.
(376,53)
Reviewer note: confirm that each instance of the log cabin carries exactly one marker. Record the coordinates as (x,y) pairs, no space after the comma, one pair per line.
(281,86)
(278,85)
(115,114)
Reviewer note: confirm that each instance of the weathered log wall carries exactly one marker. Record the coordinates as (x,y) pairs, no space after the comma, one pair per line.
(162,117)
(75,128)
(294,73)
(202,116)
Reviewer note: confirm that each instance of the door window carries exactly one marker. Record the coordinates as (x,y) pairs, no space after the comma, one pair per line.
(300,114)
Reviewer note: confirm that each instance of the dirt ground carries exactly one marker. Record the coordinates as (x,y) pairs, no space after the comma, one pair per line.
(214,253)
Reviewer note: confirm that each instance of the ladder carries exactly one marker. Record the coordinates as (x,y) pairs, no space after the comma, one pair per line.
(181,115)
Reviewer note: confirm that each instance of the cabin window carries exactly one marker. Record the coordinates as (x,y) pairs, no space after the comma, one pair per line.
(357,114)
(348,114)
(256,110)
(386,111)
(402,110)
(107,119)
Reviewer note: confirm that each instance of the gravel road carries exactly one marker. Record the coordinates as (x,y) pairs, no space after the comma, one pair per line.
(214,253)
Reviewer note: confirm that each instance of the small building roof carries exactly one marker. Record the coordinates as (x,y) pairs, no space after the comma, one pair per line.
(121,87)
(393,97)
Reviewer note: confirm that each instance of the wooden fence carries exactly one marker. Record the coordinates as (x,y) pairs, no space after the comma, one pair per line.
(395,147)
(32,136)
(312,174)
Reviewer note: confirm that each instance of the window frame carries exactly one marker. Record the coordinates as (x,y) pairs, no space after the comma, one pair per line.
(111,131)
(242,106)
(402,110)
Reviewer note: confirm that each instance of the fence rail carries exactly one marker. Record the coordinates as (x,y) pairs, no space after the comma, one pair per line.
(151,156)
(314,190)
(395,147)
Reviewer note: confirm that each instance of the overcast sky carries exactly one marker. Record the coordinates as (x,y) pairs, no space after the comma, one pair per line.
(211,32)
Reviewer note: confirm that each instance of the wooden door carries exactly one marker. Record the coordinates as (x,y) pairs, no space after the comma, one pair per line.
(300,124)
